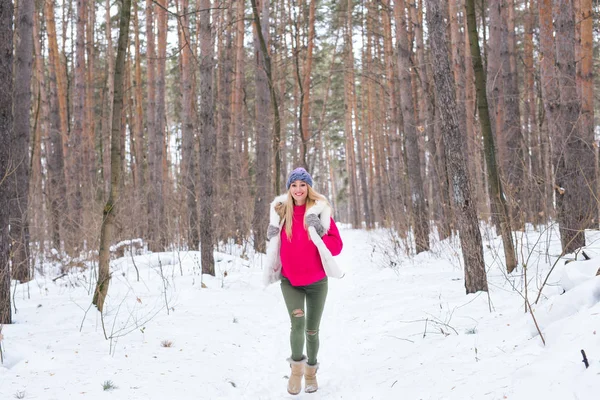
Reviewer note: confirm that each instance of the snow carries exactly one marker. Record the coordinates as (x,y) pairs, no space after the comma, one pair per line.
(407,332)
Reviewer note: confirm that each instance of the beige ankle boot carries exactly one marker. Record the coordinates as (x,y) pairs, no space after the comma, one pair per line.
(295,382)
(310,378)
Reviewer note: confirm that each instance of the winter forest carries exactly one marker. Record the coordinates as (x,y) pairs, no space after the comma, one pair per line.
(130,126)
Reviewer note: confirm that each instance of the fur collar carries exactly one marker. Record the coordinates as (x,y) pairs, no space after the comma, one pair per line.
(320,208)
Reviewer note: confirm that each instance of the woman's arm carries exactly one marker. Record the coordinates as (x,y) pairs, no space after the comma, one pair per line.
(332,239)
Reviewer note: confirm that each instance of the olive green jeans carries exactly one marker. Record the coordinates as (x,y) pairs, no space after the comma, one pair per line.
(305,307)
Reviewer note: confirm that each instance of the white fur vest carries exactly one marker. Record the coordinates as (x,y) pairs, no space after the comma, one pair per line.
(272,271)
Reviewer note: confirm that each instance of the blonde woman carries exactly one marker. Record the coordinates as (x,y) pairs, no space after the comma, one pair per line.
(303,239)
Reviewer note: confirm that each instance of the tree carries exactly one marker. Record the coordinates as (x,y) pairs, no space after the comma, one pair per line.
(224,189)
(6,167)
(574,155)
(109,212)
(495,186)
(455,143)
(151,131)
(56,187)
(503,98)
(263,124)
(76,136)
(419,216)
(349,119)
(189,155)
(158,190)
(305,84)
(208,139)
(238,160)
(19,208)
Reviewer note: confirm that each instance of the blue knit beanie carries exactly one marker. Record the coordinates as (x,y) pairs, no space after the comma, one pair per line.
(299,174)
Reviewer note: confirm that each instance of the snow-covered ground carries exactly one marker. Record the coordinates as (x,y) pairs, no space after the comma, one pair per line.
(402,332)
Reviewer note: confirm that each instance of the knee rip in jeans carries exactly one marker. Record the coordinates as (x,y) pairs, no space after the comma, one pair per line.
(311,333)
(298,313)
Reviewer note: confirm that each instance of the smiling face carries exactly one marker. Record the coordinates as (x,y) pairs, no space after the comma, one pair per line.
(299,191)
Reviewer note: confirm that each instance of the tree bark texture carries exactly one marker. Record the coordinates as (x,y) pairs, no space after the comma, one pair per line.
(158,190)
(573,152)
(151,132)
(238,160)
(349,121)
(305,130)
(494,182)
(6,161)
(19,221)
(110,208)
(226,74)
(77,133)
(586,78)
(189,154)
(208,139)
(263,127)
(420,221)
(455,142)
(57,189)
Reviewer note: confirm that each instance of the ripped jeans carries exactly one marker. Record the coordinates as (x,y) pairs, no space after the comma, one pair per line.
(305,320)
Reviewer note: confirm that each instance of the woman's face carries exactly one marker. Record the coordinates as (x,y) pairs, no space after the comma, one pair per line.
(299,191)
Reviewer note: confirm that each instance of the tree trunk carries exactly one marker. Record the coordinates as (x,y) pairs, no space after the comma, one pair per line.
(586,78)
(109,217)
(19,207)
(392,127)
(208,139)
(224,190)
(514,165)
(263,121)
(103,138)
(38,217)
(151,123)
(57,189)
(536,202)
(188,156)
(239,163)
(495,92)
(161,131)
(77,133)
(305,86)
(6,161)
(373,127)
(454,140)
(263,45)
(573,152)
(419,214)
(349,119)
(140,149)
(486,130)
(90,156)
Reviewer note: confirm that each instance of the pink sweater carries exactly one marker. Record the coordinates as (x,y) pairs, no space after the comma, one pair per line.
(300,260)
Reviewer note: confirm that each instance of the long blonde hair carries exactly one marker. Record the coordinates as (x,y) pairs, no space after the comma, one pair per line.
(288,208)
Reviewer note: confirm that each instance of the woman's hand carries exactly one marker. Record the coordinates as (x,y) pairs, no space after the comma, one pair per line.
(272,231)
(314,221)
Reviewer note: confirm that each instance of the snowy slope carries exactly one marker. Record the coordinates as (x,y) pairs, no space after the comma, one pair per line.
(404,333)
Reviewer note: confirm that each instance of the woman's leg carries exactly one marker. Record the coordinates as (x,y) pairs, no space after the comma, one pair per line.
(294,301)
(315,302)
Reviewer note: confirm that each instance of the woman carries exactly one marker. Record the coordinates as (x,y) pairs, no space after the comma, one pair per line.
(303,239)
